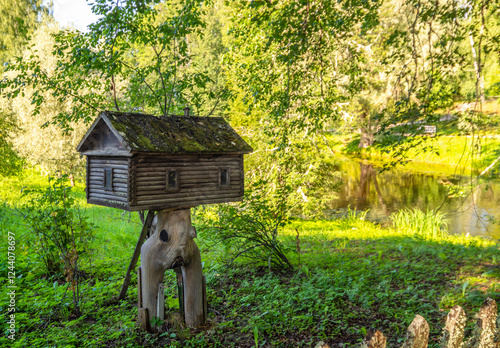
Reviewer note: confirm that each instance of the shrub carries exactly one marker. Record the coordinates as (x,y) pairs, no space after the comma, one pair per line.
(470,121)
(59,232)
(250,229)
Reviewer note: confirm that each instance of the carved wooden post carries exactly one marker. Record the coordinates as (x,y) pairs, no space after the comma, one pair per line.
(170,247)
(192,279)
(485,335)
(417,335)
(485,331)
(135,256)
(454,328)
(488,316)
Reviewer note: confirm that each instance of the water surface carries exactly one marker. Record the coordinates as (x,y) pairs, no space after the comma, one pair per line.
(366,187)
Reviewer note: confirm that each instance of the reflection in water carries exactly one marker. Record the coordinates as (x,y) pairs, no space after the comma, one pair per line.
(369,175)
(382,193)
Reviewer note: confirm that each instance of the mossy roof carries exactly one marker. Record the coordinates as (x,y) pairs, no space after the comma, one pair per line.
(173,134)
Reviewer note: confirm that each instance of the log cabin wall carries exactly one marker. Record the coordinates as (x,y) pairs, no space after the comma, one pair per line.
(198,180)
(111,191)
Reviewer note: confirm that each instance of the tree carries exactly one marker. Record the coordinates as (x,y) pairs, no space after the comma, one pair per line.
(35,138)
(295,64)
(10,162)
(207,49)
(297,61)
(134,58)
(19,20)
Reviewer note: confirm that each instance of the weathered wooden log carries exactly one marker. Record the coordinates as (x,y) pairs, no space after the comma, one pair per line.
(205,302)
(144,319)
(484,333)
(160,306)
(453,335)
(193,290)
(139,289)
(172,246)
(417,334)
(488,316)
(374,339)
(180,291)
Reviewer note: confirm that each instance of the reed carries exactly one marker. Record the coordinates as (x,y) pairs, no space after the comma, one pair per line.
(428,224)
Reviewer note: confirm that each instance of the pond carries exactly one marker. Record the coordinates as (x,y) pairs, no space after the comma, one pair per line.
(367,188)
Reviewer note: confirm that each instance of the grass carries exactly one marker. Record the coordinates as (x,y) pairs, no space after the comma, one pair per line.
(452,149)
(448,154)
(350,275)
(429,224)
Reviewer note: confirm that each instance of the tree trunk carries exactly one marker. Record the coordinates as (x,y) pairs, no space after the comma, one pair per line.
(477,69)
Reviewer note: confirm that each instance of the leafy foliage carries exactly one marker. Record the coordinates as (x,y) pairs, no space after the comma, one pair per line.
(19,20)
(133,58)
(59,232)
(34,138)
(297,61)
(10,163)
(250,230)
(353,275)
(290,69)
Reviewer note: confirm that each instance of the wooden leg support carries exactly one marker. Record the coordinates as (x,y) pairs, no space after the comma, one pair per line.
(135,256)
(160,307)
(205,303)
(192,278)
(180,292)
(143,318)
(172,247)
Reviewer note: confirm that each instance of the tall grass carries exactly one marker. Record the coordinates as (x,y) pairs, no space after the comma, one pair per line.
(429,224)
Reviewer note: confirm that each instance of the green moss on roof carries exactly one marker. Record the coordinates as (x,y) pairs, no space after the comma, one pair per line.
(176,134)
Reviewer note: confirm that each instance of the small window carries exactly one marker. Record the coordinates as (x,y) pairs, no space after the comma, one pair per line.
(172,180)
(224,177)
(108,178)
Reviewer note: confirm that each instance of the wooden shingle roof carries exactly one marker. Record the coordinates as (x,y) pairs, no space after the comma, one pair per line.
(141,133)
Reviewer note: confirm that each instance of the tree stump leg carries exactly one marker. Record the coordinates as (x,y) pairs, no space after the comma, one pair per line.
(171,246)
(193,290)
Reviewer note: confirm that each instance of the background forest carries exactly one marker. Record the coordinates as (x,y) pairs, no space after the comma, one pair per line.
(283,72)
(307,84)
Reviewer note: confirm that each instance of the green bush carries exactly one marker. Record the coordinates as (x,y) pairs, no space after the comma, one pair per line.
(250,229)
(471,121)
(58,232)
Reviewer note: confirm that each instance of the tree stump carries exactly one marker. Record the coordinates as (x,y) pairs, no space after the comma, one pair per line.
(417,334)
(454,330)
(484,333)
(172,247)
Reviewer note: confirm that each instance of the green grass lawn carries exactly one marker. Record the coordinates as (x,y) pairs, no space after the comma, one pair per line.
(350,275)
(445,154)
(453,148)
